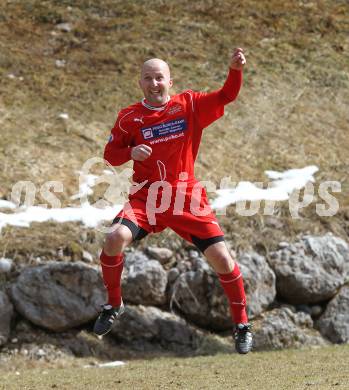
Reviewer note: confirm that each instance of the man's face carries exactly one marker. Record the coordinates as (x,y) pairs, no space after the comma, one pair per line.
(155,81)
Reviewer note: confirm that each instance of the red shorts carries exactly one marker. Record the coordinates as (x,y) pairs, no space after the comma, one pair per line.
(184,210)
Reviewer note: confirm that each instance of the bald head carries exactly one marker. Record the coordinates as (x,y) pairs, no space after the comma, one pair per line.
(155,81)
(155,64)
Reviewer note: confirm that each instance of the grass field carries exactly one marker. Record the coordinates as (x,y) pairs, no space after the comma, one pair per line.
(323,368)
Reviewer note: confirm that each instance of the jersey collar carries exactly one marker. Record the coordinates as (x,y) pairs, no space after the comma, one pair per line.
(154,108)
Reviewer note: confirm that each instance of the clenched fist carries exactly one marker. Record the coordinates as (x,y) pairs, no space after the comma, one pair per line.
(141,152)
(238,59)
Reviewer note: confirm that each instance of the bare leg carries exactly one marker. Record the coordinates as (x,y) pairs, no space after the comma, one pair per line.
(220,258)
(116,242)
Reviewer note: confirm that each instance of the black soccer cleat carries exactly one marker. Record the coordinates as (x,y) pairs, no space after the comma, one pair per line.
(243,338)
(105,320)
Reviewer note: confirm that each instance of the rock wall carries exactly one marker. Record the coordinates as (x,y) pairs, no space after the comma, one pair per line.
(297,296)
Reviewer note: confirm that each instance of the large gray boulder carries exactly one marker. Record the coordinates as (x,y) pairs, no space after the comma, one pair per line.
(259,282)
(311,270)
(58,296)
(6,313)
(154,325)
(200,297)
(334,323)
(144,281)
(282,328)
(163,255)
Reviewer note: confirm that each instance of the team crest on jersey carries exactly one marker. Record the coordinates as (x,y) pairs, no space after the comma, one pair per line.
(175,109)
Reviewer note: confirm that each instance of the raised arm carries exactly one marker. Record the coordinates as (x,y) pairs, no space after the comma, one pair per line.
(232,85)
(210,106)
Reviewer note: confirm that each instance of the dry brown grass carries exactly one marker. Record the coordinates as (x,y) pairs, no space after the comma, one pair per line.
(323,368)
(292,110)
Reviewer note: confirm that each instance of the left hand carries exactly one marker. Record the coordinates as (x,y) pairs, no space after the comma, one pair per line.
(238,60)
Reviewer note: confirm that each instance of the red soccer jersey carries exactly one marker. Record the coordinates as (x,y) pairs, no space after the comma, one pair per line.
(172,131)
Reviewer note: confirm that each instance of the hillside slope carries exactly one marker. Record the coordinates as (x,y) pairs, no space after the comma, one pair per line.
(292,110)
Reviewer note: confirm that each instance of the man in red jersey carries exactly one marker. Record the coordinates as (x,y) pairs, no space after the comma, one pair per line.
(161,134)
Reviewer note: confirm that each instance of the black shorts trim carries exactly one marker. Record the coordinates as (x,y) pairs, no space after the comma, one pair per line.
(203,243)
(137,232)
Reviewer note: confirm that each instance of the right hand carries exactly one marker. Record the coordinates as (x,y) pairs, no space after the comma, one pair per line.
(238,60)
(141,152)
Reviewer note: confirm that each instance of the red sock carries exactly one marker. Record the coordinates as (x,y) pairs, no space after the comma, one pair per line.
(233,287)
(112,269)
